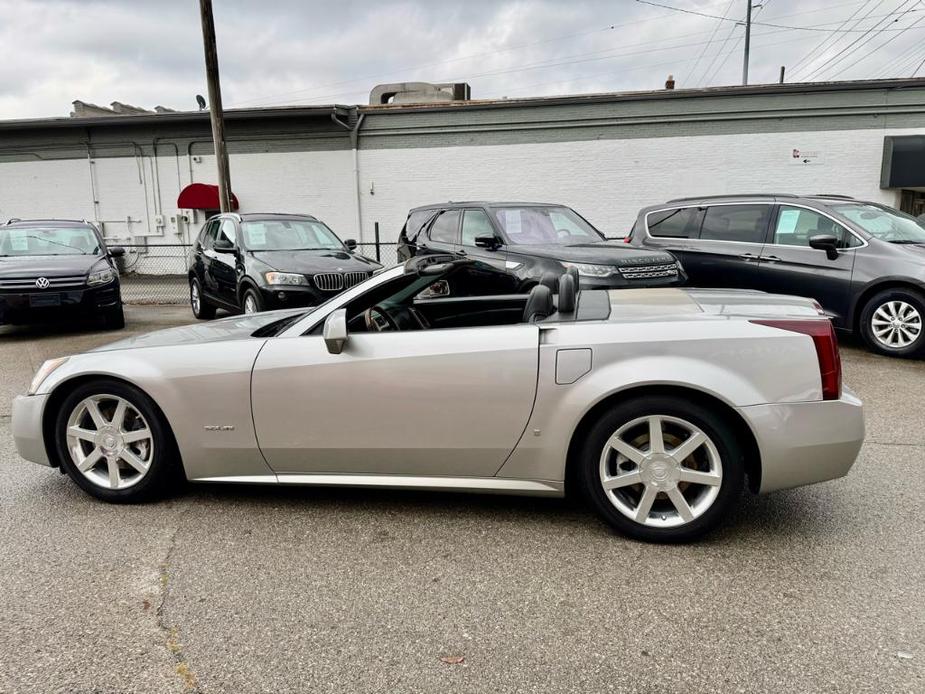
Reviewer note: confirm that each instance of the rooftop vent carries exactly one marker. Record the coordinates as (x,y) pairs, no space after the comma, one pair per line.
(419,93)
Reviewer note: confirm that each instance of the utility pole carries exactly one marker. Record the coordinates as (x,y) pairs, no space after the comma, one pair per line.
(748,41)
(215,105)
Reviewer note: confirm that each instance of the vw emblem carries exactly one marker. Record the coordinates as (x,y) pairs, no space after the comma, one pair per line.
(42,283)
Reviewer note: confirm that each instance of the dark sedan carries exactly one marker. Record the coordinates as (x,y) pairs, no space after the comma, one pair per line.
(864,262)
(256,262)
(531,240)
(56,269)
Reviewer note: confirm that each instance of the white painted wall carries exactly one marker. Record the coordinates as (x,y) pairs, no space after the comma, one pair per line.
(606,180)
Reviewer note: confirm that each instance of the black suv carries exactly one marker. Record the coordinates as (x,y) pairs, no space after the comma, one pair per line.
(531,240)
(57,268)
(255,262)
(862,261)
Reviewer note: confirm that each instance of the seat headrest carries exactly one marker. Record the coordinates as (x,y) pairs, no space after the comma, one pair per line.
(539,304)
(568,293)
(550,280)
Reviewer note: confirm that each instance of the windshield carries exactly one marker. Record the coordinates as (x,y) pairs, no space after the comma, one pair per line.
(884,223)
(24,241)
(545,225)
(289,235)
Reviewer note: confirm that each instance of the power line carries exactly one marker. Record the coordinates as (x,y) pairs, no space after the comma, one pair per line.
(707,44)
(796,66)
(874,50)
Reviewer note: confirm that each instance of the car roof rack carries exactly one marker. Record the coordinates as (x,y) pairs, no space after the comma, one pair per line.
(735,195)
(17,220)
(833,195)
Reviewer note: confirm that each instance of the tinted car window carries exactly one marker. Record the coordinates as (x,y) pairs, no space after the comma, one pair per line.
(226,232)
(682,223)
(416,220)
(445,226)
(208,234)
(742,223)
(475,223)
(796,226)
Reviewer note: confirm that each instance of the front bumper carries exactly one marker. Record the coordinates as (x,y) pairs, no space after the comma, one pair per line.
(806,442)
(277,297)
(39,306)
(28,411)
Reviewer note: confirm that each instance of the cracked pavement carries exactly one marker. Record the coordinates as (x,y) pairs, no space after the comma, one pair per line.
(235,589)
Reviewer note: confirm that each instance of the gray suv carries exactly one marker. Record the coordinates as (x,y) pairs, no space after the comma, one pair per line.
(864,262)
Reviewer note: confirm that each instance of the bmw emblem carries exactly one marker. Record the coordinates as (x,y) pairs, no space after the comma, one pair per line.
(42,283)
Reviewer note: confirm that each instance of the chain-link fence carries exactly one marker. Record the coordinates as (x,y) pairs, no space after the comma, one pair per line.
(156,274)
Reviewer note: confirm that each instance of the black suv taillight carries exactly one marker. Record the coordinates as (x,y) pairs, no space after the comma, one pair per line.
(826,343)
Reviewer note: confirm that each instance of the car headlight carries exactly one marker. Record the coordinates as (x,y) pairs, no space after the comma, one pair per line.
(284,278)
(44,372)
(586,270)
(101,277)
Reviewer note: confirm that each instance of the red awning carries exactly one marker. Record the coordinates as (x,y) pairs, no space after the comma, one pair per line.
(202,196)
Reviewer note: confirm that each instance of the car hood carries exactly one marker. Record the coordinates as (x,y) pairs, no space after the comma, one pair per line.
(310,262)
(47,265)
(614,253)
(657,304)
(232,328)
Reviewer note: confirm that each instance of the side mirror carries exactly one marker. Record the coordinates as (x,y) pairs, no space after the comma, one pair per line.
(335,331)
(489,242)
(223,246)
(827,243)
(116,252)
(351,244)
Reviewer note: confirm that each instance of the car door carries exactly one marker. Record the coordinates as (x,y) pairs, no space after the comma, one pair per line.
(789,266)
(476,224)
(429,402)
(224,266)
(203,255)
(442,236)
(727,250)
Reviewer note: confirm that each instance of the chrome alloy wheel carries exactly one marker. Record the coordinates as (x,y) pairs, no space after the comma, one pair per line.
(194,298)
(896,324)
(109,441)
(250,304)
(660,471)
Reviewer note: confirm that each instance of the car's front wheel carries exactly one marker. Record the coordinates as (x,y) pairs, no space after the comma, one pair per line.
(114,443)
(661,469)
(251,302)
(892,323)
(202,309)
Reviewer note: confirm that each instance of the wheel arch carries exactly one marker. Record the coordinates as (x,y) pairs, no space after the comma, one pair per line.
(871,290)
(243,285)
(60,392)
(741,428)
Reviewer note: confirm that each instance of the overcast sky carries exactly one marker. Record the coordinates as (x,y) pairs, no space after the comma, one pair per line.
(272,52)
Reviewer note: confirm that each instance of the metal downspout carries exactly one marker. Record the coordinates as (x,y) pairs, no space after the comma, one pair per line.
(354,133)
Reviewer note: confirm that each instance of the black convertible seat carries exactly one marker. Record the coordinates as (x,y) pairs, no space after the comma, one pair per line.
(539,304)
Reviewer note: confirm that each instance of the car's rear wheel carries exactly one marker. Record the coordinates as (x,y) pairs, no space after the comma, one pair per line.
(661,469)
(113,442)
(892,323)
(202,309)
(252,302)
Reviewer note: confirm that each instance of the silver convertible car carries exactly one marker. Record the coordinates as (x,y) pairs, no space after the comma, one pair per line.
(658,405)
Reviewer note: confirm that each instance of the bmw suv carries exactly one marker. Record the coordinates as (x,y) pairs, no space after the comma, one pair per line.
(530,240)
(255,262)
(864,262)
(57,268)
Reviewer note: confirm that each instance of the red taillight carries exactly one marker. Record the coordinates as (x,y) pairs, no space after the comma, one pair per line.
(826,344)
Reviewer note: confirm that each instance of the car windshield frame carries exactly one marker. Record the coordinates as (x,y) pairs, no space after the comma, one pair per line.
(245,240)
(594,235)
(904,227)
(19,241)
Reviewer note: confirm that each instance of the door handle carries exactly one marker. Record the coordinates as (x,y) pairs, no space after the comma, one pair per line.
(770,259)
(748,256)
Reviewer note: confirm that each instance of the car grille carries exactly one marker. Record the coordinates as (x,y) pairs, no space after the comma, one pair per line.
(641,272)
(336,281)
(29,283)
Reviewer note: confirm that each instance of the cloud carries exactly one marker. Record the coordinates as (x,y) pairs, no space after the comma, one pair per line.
(289,51)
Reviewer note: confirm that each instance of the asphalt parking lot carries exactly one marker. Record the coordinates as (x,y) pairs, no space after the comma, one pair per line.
(225,589)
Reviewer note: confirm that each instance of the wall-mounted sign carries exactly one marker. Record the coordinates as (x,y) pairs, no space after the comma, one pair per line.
(805,156)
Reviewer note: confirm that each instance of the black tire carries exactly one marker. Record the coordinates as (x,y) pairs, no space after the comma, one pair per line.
(114,318)
(164,470)
(715,427)
(253,295)
(895,296)
(202,309)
